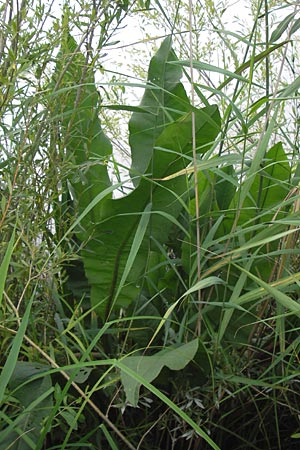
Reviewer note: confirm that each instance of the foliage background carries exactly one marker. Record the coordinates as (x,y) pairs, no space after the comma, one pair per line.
(214,300)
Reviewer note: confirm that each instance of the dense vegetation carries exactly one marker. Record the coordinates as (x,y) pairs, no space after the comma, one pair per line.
(154,305)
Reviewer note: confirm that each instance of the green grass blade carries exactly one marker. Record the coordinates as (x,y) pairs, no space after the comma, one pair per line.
(137,241)
(5,264)
(234,299)
(279,296)
(211,68)
(108,437)
(12,358)
(248,64)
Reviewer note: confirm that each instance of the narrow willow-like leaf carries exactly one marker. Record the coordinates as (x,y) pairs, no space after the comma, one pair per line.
(282,27)
(295,27)
(291,88)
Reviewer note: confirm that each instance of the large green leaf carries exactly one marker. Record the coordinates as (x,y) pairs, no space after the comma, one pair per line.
(164,101)
(106,255)
(149,367)
(118,232)
(76,103)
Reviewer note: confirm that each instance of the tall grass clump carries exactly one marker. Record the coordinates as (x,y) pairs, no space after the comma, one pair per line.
(150,303)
